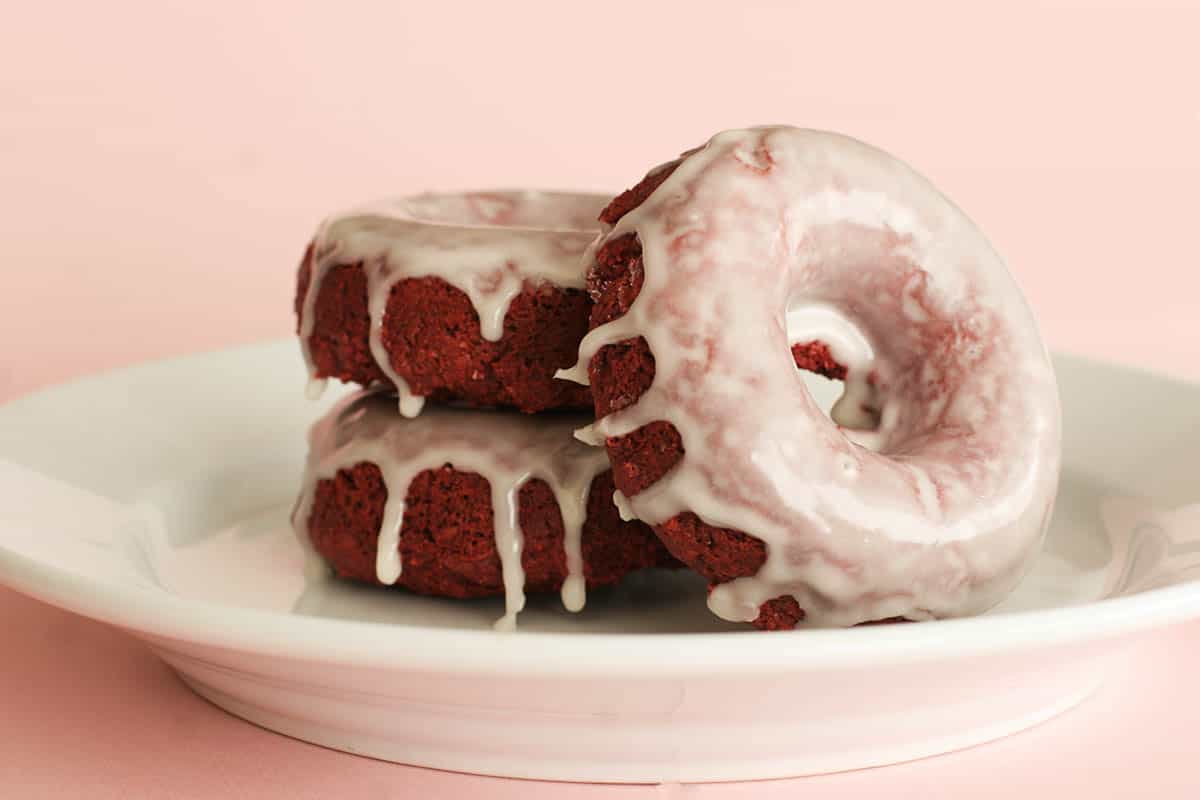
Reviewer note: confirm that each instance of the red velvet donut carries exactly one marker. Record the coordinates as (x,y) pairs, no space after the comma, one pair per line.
(769,249)
(432,503)
(474,298)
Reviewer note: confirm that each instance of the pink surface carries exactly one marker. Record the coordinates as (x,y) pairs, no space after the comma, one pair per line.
(163,163)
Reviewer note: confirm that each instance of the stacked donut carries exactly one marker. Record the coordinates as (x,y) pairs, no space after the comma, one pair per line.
(682,328)
(471,302)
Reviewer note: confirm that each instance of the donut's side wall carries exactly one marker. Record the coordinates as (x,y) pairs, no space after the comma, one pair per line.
(619,374)
(447,541)
(432,335)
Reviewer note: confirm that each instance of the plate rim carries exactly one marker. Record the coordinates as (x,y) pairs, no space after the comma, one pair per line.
(158,614)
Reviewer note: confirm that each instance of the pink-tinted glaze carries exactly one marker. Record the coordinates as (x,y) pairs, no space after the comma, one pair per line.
(774,235)
(487,244)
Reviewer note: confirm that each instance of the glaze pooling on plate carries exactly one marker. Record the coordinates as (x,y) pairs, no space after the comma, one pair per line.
(771,236)
(487,244)
(1151,546)
(506,449)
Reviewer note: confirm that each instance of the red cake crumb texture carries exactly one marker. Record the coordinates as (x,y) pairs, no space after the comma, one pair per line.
(431,333)
(447,543)
(815,357)
(621,372)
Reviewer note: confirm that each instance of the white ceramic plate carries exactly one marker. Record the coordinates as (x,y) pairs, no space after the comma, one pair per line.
(156,499)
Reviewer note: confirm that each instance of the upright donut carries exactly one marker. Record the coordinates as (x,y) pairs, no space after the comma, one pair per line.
(474,298)
(775,248)
(461,503)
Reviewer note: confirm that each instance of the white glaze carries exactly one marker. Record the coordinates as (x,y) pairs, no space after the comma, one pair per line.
(623,507)
(769,229)
(507,449)
(487,244)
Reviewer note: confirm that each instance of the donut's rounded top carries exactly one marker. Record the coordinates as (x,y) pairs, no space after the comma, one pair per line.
(487,244)
(518,210)
(931,488)
(506,449)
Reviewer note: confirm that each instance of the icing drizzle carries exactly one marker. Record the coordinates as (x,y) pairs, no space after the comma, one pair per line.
(507,449)
(489,245)
(930,491)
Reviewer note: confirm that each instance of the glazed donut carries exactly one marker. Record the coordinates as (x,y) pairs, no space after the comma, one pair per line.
(774,248)
(460,503)
(476,298)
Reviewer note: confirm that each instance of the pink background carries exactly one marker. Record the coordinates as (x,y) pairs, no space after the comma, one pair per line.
(163,162)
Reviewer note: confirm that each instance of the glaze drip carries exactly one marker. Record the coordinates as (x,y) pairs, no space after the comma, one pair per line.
(932,495)
(507,449)
(489,245)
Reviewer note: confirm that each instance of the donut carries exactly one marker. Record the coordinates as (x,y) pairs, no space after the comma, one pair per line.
(460,503)
(926,490)
(475,298)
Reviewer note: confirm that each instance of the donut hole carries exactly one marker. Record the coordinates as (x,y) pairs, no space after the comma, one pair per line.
(823,376)
(825,379)
(835,361)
